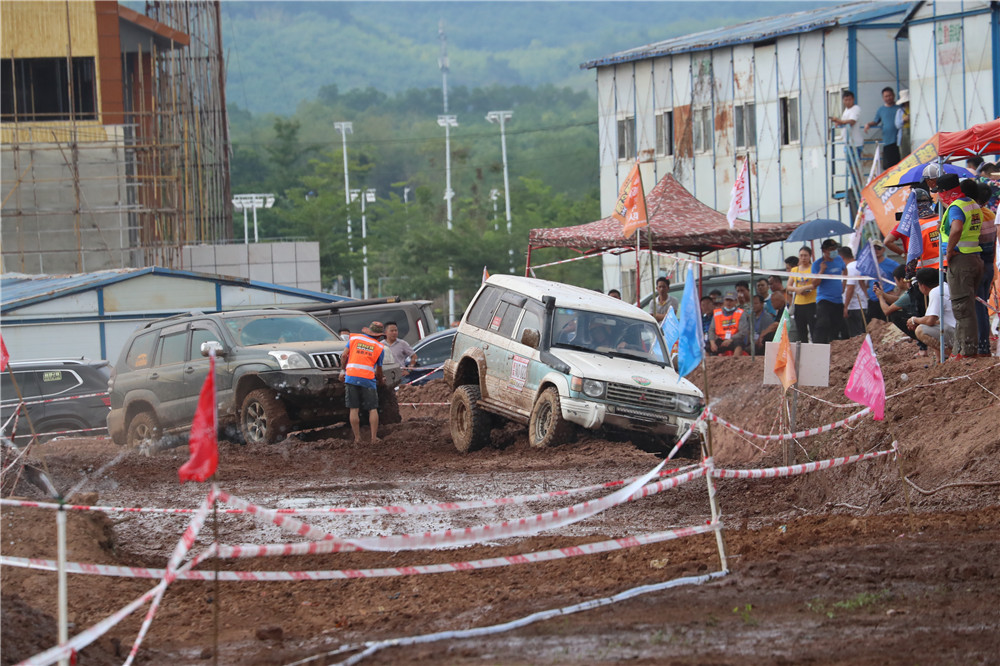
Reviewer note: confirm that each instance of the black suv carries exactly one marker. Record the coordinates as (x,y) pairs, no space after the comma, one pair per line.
(52,385)
(276,370)
(415,319)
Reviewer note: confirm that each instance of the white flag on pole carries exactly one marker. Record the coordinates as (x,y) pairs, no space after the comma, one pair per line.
(740,197)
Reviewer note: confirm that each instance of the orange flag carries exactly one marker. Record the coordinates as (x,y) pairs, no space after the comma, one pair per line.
(784,362)
(630,209)
(202,442)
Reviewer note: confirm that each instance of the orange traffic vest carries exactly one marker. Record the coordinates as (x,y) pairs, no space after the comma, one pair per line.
(726,326)
(931,240)
(363,353)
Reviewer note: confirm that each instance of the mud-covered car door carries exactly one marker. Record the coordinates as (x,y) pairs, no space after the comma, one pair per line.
(521,364)
(196,368)
(166,378)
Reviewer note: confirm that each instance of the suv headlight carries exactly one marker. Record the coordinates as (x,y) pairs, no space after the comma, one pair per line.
(288,360)
(592,388)
(688,403)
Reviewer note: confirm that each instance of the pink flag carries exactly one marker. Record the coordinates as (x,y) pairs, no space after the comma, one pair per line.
(740,201)
(865,385)
(202,441)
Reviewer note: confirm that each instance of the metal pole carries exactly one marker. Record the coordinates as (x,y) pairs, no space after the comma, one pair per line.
(246,228)
(61,577)
(753,345)
(448,122)
(364,246)
(502,117)
(255,238)
(346,128)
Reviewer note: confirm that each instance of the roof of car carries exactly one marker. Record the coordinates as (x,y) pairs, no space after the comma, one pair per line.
(568,296)
(50,362)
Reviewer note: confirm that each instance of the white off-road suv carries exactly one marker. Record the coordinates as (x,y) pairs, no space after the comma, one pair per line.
(551,355)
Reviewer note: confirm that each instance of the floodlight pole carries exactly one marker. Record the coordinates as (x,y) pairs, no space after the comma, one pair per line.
(502,117)
(254,201)
(447,122)
(366,196)
(346,128)
(494,193)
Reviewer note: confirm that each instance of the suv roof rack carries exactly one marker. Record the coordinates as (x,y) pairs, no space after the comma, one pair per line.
(179,315)
(341,305)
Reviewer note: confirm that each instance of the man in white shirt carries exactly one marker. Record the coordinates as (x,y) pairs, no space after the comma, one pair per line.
(853,133)
(400,348)
(854,295)
(928,328)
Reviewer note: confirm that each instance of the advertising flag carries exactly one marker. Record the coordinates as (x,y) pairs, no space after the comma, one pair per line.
(630,209)
(202,443)
(784,362)
(671,329)
(4,356)
(739,201)
(909,226)
(690,345)
(866,385)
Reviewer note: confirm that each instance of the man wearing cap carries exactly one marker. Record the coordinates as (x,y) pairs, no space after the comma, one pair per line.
(362,373)
(730,328)
(960,228)
(829,294)
(885,267)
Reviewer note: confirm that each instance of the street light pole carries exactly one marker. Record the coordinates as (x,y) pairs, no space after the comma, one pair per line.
(502,117)
(254,201)
(494,193)
(368,196)
(346,128)
(447,122)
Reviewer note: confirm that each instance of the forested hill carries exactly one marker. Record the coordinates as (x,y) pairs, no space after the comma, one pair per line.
(280,53)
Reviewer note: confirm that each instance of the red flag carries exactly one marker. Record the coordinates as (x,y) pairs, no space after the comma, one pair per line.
(865,385)
(630,209)
(4,356)
(784,362)
(202,442)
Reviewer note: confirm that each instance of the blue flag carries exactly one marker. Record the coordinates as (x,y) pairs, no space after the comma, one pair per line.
(671,329)
(909,226)
(691,346)
(866,263)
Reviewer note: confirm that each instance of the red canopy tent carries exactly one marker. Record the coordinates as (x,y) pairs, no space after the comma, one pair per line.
(678,222)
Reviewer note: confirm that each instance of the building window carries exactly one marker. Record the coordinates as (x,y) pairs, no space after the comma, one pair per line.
(626,138)
(745,124)
(665,133)
(789,120)
(39,89)
(702,118)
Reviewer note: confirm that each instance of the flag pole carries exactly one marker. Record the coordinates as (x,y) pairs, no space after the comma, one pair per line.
(753,286)
(638,270)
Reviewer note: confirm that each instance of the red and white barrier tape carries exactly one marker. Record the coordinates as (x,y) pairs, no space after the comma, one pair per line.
(424,404)
(795,435)
(344,574)
(392,509)
(63,399)
(793,470)
(63,432)
(686,435)
(323,542)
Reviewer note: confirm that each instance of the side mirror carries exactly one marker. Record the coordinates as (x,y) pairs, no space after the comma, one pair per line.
(208,347)
(530,338)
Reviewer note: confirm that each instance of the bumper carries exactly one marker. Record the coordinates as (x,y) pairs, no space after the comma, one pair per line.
(590,414)
(116,426)
(304,384)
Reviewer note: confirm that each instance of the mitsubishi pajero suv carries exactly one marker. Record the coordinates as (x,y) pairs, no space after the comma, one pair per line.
(551,355)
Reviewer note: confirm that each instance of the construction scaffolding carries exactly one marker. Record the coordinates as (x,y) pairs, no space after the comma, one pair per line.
(128,181)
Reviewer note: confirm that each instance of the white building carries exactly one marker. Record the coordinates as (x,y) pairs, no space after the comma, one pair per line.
(694,106)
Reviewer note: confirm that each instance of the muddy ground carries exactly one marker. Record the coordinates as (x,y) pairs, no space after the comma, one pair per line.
(827,568)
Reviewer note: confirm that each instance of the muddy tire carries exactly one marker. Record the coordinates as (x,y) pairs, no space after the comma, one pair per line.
(143,431)
(470,424)
(388,407)
(547,427)
(263,418)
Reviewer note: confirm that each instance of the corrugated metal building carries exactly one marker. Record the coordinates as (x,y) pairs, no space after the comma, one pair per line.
(93,314)
(693,106)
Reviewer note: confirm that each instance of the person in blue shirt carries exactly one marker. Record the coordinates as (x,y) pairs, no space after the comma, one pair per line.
(830,322)
(885,266)
(885,118)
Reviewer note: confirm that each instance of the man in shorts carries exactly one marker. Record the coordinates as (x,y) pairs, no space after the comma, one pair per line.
(362,373)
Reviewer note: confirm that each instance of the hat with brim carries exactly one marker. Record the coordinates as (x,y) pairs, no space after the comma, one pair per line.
(904,97)
(730,296)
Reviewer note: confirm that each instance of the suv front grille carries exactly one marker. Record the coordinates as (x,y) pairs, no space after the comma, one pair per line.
(326,360)
(641,397)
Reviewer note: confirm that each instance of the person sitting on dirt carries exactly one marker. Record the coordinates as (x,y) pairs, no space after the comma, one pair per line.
(362,374)
(731,329)
(928,328)
(897,306)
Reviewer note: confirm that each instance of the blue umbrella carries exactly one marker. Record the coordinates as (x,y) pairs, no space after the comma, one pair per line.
(819,228)
(916,174)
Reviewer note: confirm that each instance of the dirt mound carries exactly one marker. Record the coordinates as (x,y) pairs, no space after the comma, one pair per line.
(828,568)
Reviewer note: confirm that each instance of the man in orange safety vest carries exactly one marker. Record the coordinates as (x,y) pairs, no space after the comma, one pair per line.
(362,374)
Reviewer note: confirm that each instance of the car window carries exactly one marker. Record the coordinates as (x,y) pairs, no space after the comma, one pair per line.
(25,381)
(510,319)
(258,330)
(198,336)
(54,382)
(436,351)
(481,312)
(141,351)
(532,319)
(358,320)
(172,348)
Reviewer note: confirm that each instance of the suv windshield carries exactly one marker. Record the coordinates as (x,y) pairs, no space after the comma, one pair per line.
(257,330)
(607,334)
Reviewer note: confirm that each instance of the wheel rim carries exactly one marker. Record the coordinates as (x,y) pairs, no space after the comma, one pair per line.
(256,422)
(462,419)
(544,421)
(144,433)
